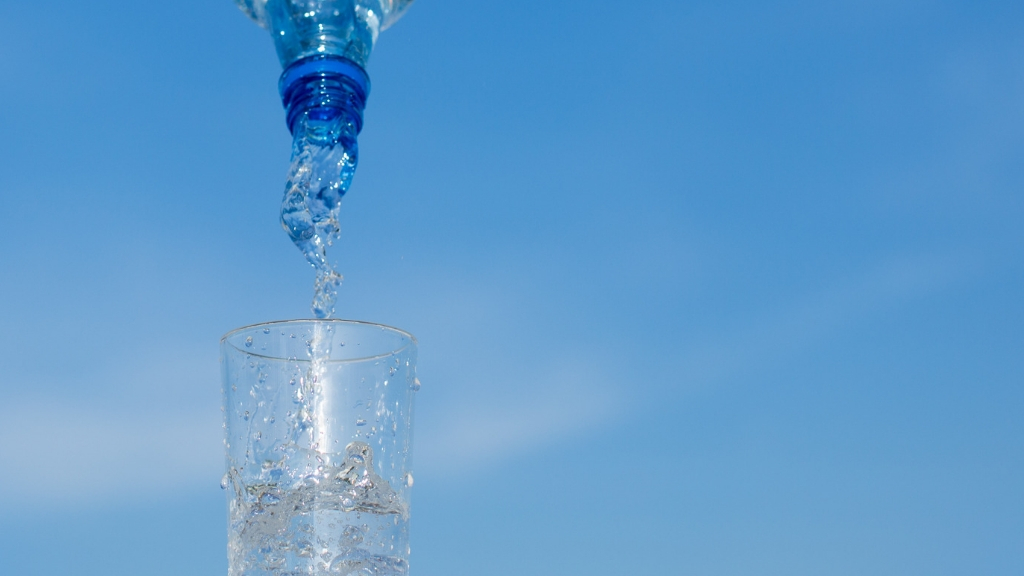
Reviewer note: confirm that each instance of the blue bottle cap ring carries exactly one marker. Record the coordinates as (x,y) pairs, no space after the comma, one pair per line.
(324,65)
(324,82)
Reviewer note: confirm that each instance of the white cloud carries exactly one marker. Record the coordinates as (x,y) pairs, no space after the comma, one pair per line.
(76,455)
(79,456)
(778,336)
(67,456)
(556,407)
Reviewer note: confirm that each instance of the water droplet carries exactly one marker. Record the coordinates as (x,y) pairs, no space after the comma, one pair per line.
(245,416)
(351,535)
(266,330)
(248,341)
(408,479)
(360,422)
(415,384)
(304,549)
(224,480)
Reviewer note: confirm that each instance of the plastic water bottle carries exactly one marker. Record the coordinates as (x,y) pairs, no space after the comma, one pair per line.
(324,46)
(334,28)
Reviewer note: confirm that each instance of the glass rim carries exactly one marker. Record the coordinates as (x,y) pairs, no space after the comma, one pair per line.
(411,340)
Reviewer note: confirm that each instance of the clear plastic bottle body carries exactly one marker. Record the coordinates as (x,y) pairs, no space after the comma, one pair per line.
(345,28)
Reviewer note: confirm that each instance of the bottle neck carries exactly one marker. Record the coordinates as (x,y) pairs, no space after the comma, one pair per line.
(324,88)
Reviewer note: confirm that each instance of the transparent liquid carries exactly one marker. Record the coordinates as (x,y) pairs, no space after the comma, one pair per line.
(335,519)
(309,446)
(324,158)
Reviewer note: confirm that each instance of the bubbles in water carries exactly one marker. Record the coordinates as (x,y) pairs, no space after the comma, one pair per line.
(304,549)
(248,341)
(415,384)
(351,535)
(270,519)
(359,563)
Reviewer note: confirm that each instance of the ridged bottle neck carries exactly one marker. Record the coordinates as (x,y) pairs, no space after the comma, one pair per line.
(324,87)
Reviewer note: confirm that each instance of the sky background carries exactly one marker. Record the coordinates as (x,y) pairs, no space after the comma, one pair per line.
(710,288)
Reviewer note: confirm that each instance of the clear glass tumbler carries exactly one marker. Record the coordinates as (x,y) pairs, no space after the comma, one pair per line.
(318,437)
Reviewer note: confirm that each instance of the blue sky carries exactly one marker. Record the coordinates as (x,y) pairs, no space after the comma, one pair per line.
(701,288)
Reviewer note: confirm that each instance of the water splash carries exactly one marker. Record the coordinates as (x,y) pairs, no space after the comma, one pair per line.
(337,518)
(324,158)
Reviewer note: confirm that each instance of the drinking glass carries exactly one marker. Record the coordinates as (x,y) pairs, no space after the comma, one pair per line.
(318,437)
